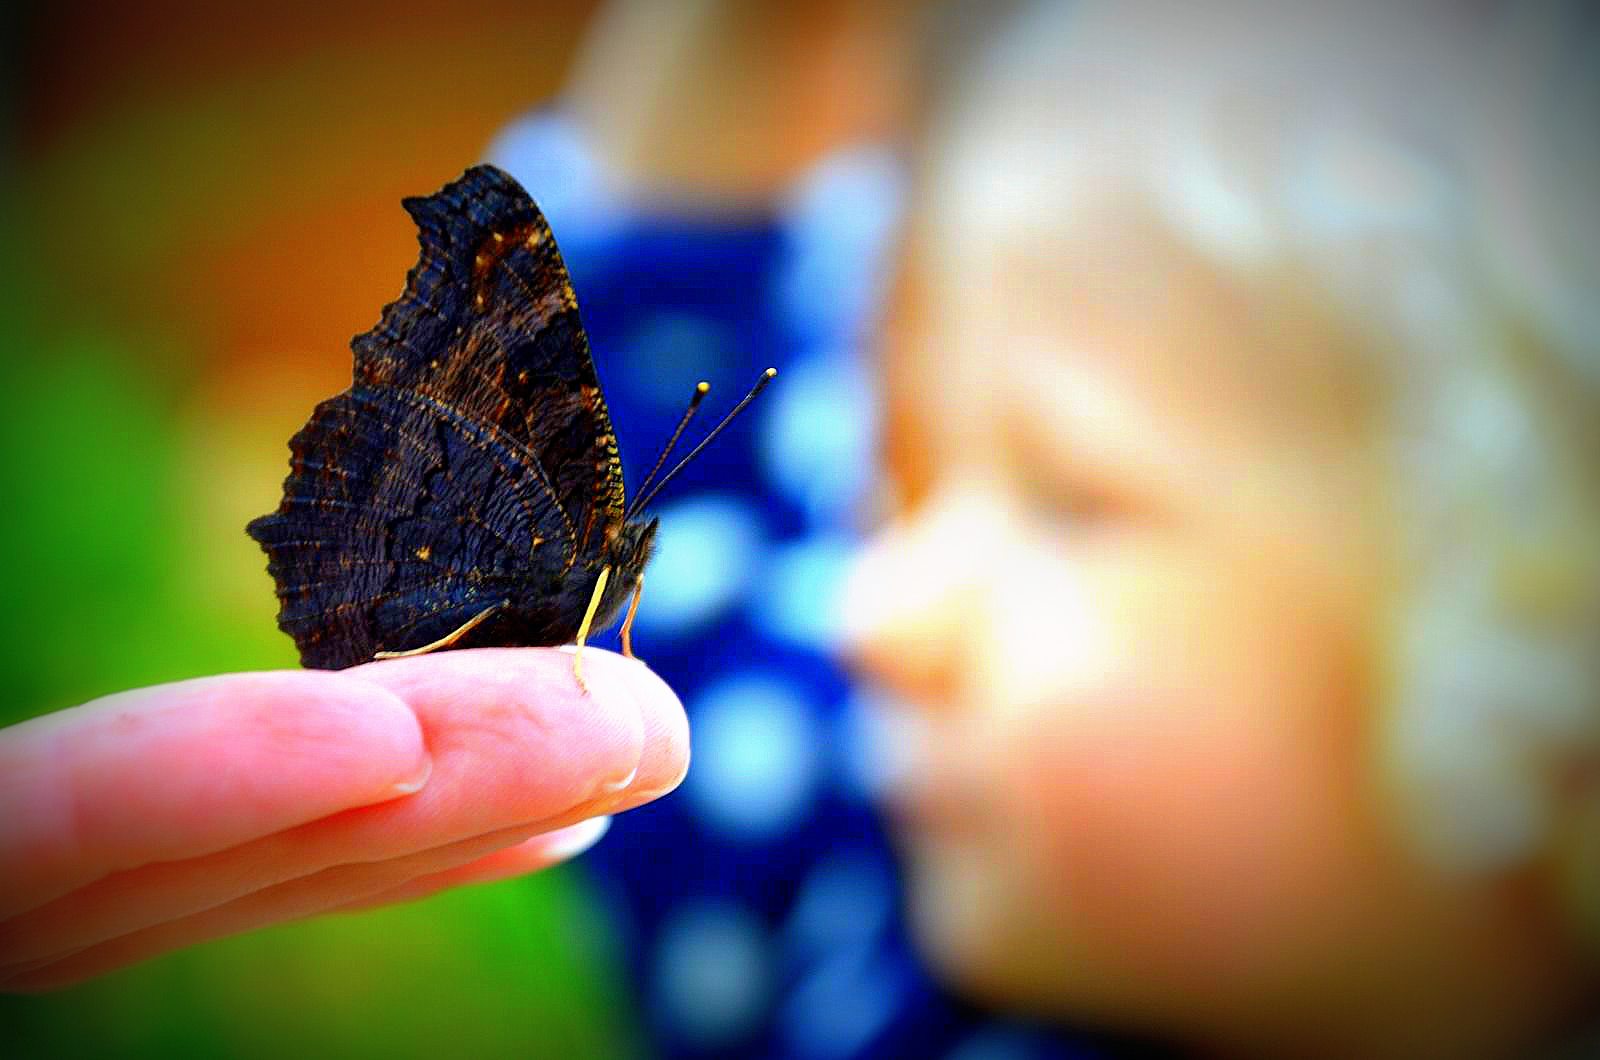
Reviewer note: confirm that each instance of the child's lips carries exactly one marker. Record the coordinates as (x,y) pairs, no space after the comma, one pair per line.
(922,771)
(936,801)
(928,815)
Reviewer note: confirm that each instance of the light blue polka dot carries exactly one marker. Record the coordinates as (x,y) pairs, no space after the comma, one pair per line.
(707,547)
(842,217)
(871,744)
(802,591)
(549,157)
(756,758)
(665,355)
(847,899)
(842,1005)
(817,439)
(711,977)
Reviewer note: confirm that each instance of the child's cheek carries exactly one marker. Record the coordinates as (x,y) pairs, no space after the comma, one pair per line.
(1169,783)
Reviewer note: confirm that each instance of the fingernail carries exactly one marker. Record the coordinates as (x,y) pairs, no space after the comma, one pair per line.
(608,675)
(417,782)
(665,757)
(612,787)
(573,840)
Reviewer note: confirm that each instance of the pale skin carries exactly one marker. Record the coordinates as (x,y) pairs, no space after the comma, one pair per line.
(162,817)
(1131,603)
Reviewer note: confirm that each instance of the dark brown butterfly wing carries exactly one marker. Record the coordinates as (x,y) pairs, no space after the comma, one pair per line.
(488,326)
(471,465)
(401,521)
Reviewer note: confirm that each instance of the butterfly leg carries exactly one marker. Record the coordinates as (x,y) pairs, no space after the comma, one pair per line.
(583,627)
(627,623)
(446,641)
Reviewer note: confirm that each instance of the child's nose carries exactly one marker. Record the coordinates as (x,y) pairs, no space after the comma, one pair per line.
(913,605)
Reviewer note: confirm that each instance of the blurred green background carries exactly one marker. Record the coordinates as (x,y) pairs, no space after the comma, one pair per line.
(180,185)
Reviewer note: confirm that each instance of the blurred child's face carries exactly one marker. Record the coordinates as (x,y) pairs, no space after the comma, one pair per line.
(1130,600)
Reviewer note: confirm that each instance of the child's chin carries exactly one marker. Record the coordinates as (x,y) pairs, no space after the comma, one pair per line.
(968,930)
(985,940)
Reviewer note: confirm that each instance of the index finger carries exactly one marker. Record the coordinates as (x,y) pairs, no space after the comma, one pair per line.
(515,744)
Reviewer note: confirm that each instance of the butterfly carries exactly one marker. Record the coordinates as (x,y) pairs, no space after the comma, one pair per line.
(466,490)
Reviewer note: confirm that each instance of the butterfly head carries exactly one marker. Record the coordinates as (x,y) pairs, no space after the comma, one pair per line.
(631,547)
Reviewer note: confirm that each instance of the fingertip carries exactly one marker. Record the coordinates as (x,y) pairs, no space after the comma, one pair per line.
(664,760)
(506,708)
(615,683)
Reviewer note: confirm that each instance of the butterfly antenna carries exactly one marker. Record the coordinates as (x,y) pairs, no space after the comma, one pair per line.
(700,391)
(761,384)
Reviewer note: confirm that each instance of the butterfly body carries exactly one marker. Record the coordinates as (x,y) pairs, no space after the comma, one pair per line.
(470,474)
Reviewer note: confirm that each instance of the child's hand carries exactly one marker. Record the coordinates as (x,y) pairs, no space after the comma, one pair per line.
(165,816)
